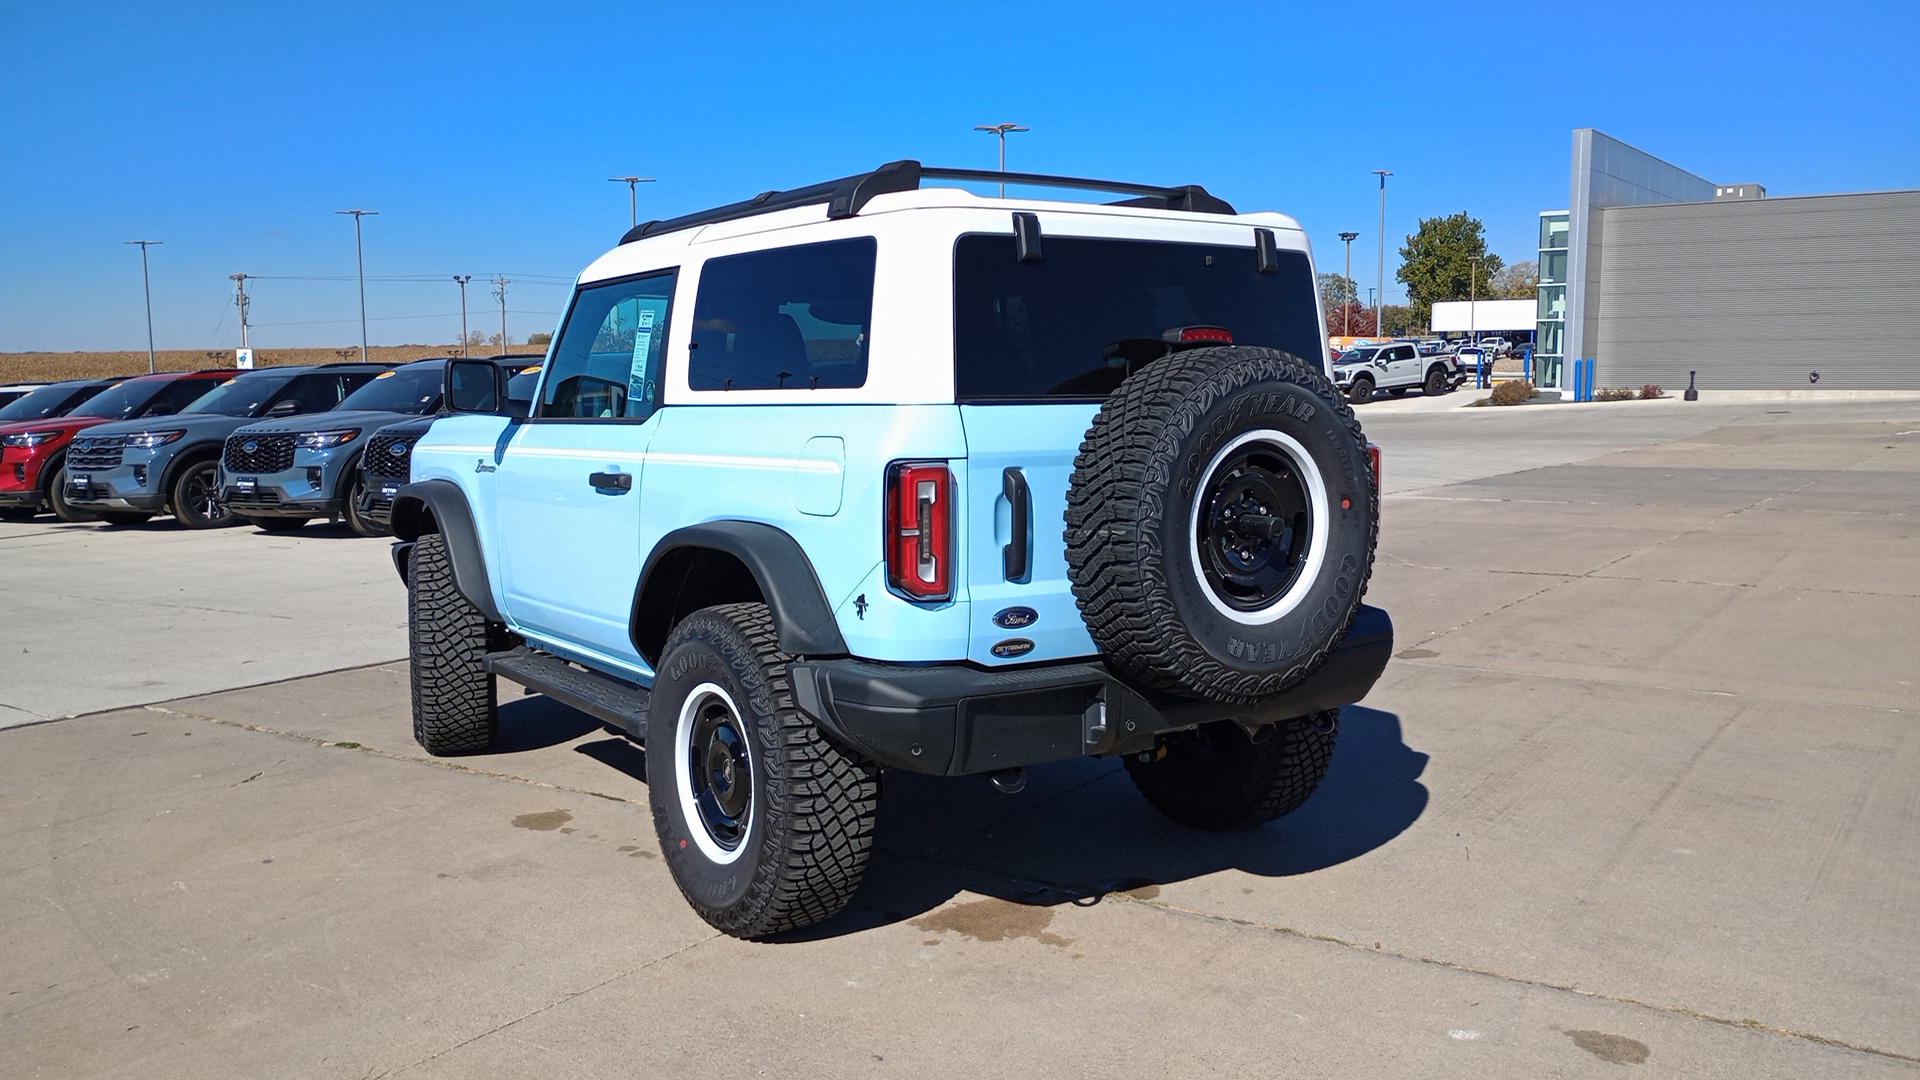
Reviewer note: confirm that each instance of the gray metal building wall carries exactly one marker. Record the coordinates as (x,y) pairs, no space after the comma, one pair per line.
(1756,294)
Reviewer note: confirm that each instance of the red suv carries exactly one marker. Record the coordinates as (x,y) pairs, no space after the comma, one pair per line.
(33,452)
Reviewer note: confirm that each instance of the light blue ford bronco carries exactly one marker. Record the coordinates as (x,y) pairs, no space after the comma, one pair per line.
(876,474)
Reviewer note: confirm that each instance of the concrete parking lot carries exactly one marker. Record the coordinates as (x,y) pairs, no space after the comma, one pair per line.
(1638,797)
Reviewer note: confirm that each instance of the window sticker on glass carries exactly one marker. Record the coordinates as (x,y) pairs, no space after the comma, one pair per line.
(642,340)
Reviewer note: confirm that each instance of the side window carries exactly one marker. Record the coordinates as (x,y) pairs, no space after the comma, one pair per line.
(606,364)
(314,393)
(178,395)
(793,318)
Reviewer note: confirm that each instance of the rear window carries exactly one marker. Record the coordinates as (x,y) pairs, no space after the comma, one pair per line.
(1069,325)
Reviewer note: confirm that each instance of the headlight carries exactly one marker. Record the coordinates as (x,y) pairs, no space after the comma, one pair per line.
(147,440)
(324,440)
(28,438)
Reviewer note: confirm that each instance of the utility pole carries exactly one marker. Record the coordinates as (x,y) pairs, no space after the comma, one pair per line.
(146,286)
(461,280)
(240,301)
(1001,130)
(633,201)
(1378,328)
(1346,309)
(500,293)
(360,263)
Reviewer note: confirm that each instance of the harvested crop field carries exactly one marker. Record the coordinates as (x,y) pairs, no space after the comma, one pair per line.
(51,366)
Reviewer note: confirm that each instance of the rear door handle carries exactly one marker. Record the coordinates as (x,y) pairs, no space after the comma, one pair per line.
(1013,557)
(611,481)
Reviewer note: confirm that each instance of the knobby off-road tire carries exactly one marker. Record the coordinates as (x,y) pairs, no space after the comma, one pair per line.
(1436,383)
(196,497)
(1218,777)
(454,706)
(1360,391)
(765,824)
(1182,470)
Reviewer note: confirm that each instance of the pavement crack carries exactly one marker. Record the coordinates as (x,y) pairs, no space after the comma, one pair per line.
(562,1000)
(1747,1024)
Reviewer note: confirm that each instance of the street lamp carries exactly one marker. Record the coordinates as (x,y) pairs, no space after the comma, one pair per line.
(1001,130)
(1382,174)
(146,286)
(633,201)
(360,265)
(461,280)
(1346,308)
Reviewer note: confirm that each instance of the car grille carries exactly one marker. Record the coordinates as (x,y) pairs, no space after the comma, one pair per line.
(97,452)
(270,453)
(242,500)
(388,456)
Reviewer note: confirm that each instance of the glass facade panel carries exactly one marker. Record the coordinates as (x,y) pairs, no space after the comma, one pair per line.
(1553,303)
(1549,332)
(1553,231)
(1553,266)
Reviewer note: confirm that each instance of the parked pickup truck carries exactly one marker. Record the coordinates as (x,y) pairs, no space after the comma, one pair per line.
(1395,367)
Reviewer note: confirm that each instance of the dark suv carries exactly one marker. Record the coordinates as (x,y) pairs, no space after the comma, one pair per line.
(168,464)
(385,466)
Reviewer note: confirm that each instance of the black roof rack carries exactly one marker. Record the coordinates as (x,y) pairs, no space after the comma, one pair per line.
(846,196)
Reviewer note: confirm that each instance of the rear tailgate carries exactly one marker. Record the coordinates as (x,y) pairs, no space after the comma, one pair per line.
(1039,441)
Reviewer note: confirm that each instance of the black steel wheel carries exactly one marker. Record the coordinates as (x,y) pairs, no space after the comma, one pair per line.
(1252,523)
(196,497)
(1361,390)
(765,824)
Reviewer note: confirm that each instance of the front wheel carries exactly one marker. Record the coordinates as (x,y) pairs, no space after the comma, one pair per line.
(196,497)
(455,707)
(1361,391)
(765,824)
(356,493)
(1221,778)
(57,496)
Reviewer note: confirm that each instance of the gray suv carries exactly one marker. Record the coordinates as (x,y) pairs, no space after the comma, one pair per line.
(168,463)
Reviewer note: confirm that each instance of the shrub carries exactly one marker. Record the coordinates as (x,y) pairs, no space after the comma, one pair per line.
(1613,393)
(1650,391)
(1512,392)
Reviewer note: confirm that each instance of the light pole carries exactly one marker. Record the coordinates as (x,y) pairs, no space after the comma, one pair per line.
(461,280)
(1382,291)
(633,200)
(500,293)
(360,265)
(1001,130)
(146,286)
(1346,309)
(1473,317)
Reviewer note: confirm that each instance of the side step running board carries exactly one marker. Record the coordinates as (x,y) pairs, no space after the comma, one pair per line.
(603,697)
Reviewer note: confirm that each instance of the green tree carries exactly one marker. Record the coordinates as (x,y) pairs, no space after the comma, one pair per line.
(1437,264)
(539,338)
(1397,320)
(1337,290)
(1521,281)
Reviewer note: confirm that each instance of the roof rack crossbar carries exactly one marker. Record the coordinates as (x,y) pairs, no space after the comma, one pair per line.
(847,196)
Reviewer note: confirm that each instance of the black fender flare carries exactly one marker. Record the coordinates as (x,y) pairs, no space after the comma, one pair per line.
(440,506)
(780,568)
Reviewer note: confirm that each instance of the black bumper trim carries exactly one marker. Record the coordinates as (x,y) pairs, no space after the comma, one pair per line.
(956,719)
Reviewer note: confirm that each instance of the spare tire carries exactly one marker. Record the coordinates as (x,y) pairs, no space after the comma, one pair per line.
(1221,523)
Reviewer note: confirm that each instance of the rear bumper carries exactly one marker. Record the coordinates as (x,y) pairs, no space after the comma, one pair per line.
(954,720)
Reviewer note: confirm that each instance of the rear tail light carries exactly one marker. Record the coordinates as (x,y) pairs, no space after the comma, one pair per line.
(1193,335)
(920,530)
(1373,455)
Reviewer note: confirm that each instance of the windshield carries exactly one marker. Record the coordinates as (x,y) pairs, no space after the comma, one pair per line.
(47,401)
(121,400)
(412,389)
(242,396)
(1075,322)
(1357,356)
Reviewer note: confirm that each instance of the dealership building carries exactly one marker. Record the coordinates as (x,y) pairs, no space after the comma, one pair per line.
(1655,272)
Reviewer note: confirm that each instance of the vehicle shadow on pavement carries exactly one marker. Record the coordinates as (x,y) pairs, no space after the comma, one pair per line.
(1080,831)
(537,721)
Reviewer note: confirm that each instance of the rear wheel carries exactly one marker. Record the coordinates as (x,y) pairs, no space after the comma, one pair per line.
(1436,383)
(1220,777)
(196,497)
(278,524)
(1361,390)
(455,708)
(765,824)
(124,517)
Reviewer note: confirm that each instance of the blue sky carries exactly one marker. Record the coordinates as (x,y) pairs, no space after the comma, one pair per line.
(483,132)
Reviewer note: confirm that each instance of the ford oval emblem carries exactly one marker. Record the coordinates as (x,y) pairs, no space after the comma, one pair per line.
(1015,618)
(398,449)
(249,446)
(1012,647)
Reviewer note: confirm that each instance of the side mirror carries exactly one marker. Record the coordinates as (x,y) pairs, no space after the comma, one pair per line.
(284,408)
(475,386)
